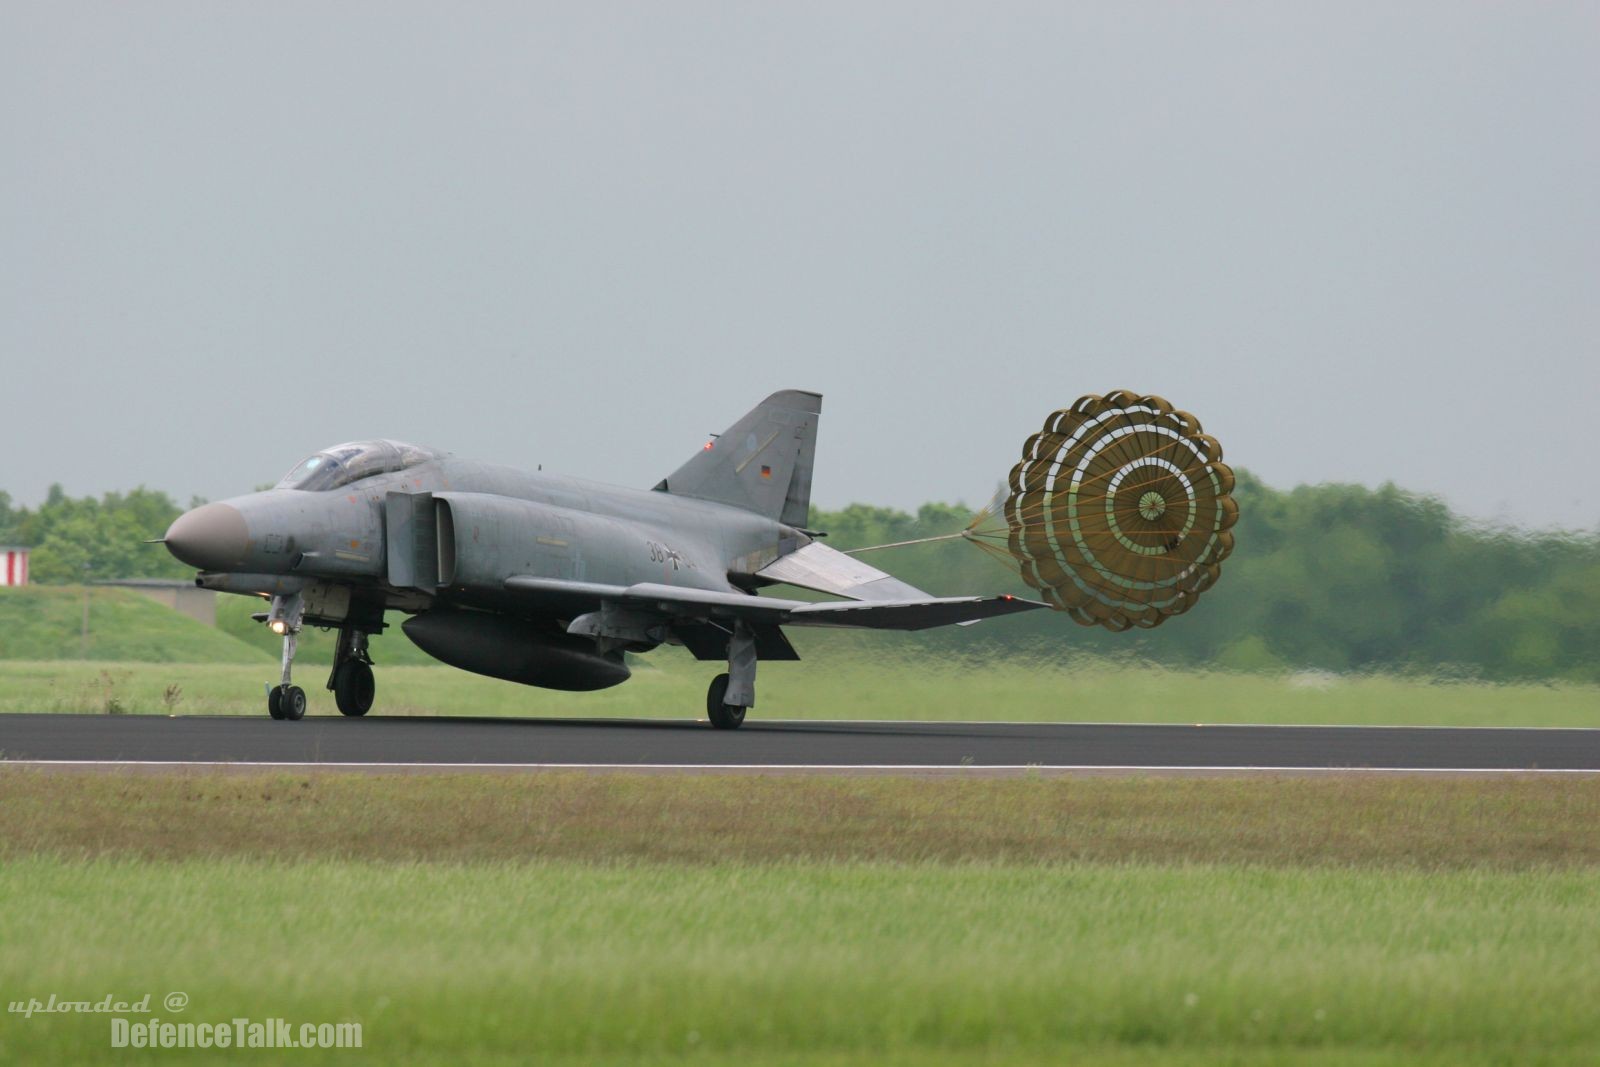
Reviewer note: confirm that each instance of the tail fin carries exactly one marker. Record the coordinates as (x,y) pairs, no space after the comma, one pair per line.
(762,463)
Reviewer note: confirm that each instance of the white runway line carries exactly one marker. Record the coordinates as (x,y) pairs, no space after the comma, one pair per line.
(1158,725)
(879,768)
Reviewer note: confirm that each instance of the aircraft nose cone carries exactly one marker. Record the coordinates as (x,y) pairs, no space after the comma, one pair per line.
(212,537)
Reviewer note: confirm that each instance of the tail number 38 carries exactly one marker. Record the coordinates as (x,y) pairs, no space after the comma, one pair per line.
(660,553)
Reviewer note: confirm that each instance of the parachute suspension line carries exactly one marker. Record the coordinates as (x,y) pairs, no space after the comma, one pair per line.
(902,544)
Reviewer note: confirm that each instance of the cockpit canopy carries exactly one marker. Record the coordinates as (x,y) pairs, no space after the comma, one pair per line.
(340,465)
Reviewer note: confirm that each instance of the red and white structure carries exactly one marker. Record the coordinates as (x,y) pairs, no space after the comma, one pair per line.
(13,565)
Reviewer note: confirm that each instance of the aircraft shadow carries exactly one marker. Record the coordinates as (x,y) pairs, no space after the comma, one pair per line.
(875,729)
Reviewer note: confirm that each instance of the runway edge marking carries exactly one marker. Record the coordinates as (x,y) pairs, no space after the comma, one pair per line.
(977,768)
(1161,725)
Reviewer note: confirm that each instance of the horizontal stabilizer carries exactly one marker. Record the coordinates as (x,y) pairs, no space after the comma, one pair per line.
(816,566)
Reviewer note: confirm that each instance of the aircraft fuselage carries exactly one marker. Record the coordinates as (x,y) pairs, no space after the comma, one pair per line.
(488,523)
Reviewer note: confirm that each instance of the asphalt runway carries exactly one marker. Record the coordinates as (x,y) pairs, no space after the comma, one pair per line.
(381,742)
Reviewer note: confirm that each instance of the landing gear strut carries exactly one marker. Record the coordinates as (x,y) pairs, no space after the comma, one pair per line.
(351,681)
(732,694)
(286,701)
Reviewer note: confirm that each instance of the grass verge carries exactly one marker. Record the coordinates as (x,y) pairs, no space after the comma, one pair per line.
(1416,822)
(562,918)
(841,686)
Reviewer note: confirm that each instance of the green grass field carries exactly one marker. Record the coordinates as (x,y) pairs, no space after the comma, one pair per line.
(46,623)
(41,622)
(630,919)
(573,919)
(851,963)
(144,658)
(842,685)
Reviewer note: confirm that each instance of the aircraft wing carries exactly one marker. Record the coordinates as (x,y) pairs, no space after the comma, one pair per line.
(910,614)
(710,604)
(652,596)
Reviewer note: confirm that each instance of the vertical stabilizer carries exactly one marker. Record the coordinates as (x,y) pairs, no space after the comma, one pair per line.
(762,463)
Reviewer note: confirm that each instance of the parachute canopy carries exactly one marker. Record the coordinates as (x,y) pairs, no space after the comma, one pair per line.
(1119,512)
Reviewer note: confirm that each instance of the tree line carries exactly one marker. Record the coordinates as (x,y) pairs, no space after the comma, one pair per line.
(1332,577)
(76,539)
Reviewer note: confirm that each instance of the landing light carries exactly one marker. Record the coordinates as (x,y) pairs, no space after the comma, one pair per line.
(277,626)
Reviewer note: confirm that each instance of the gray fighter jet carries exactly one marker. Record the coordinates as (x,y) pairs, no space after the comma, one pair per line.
(546,580)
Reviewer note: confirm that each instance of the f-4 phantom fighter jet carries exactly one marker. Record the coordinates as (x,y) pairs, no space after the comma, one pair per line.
(547,580)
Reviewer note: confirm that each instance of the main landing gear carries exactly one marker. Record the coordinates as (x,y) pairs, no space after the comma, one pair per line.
(351,679)
(734,693)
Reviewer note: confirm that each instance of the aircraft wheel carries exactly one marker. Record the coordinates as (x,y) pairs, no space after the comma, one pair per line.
(723,716)
(275,702)
(293,702)
(354,688)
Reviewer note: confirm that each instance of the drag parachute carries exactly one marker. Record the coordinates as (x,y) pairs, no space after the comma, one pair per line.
(1119,512)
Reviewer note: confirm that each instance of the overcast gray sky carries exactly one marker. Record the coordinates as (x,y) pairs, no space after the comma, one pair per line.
(1361,242)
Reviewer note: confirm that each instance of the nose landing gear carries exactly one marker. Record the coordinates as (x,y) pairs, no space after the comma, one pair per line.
(351,680)
(286,701)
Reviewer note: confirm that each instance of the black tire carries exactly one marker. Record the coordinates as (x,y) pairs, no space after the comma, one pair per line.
(275,702)
(722,716)
(294,703)
(354,688)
